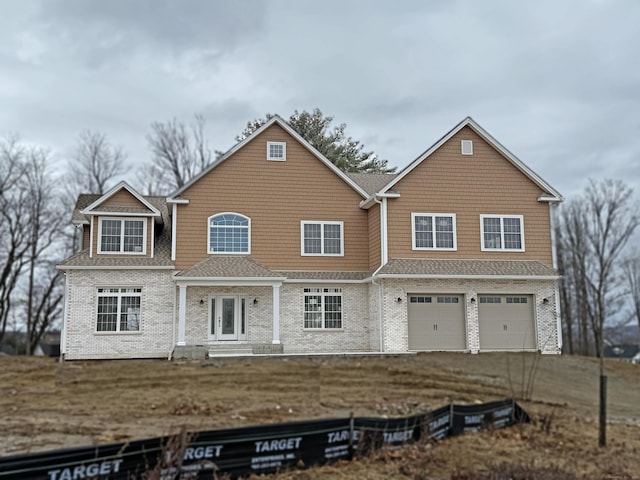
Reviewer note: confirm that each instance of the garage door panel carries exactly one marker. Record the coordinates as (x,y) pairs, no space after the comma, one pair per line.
(436,322)
(506,322)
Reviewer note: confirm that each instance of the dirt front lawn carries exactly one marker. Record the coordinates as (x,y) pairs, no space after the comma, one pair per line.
(49,405)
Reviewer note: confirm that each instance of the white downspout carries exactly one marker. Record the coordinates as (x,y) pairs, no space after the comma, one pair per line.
(554,259)
(182,315)
(63,330)
(174,221)
(383,262)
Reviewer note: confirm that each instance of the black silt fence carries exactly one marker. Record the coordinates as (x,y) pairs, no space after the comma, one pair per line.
(260,449)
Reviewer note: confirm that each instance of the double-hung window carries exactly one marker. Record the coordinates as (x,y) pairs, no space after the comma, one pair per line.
(323,308)
(322,238)
(122,235)
(118,310)
(502,233)
(433,231)
(229,233)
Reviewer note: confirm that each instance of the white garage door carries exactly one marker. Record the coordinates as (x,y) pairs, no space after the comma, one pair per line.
(436,322)
(506,322)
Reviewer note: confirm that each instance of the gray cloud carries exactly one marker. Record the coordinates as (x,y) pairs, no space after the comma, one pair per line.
(557,82)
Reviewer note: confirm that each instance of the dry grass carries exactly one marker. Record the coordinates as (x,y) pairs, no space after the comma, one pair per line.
(48,405)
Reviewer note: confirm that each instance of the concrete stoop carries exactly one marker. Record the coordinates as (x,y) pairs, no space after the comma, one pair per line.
(201,352)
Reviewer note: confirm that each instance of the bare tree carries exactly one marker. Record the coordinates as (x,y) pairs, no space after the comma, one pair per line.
(573,256)
(179,152)
(612,218)
(631,279)
(96,162)
(43,290)
(14,215)
(92,167)
(594,228)
(597,226)
(30,219)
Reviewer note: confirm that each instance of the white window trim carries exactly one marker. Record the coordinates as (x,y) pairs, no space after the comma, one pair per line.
(433,215)
(323,294)
(122,220)
(284,152)
(322,224)
(118,294)
(469,145)
(228,253)
(502,248)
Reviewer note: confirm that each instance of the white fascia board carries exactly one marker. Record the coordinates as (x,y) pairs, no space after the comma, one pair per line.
(368,203)
(114,267)
(333,281)
(469,277)
(534,177)
(229,282)
(80,222)
(105,213)
(550,199)
(179,201)
(275,119)
(113,191)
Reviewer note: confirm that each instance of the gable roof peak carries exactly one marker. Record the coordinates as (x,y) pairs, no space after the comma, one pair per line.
(90,210)
(291,131)
(552,194)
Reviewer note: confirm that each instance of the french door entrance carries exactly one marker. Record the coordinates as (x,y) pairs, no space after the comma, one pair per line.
(227,317)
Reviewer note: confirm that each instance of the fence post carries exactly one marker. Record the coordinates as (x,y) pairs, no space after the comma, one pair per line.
(602,430)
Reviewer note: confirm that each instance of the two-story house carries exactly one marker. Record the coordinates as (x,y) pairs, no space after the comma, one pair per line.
(272,249)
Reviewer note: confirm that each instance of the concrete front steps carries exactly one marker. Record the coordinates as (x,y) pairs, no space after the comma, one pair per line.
(200,352)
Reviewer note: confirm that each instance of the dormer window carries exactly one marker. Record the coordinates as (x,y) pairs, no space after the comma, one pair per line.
(122,235)
(277,151)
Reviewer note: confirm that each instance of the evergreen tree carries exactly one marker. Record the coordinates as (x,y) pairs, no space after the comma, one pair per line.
(345,152)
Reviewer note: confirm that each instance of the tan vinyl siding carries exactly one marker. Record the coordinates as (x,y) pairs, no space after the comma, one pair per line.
(374,237)
(276,196)
(148,220)
(483,183)
(121,198)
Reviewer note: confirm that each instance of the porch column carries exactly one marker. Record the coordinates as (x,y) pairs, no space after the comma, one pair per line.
(276,314)
(182,314)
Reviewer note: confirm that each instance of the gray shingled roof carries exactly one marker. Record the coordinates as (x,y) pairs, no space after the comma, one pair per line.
(83,201)
(480,268)
(306,275)
(372,182)
(86,199)
(228,266)
(140,209)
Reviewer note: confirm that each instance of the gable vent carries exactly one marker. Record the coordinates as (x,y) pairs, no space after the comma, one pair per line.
(467,147)
(277,151)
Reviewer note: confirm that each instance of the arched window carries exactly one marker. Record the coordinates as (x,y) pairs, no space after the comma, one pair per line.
(229,233)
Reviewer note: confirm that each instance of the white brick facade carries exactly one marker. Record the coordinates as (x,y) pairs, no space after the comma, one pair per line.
(259,319)
(155,338)
(354,336)
(362,305)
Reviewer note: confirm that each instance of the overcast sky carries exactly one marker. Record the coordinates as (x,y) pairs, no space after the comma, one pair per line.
(555,81)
